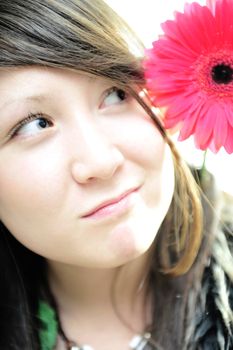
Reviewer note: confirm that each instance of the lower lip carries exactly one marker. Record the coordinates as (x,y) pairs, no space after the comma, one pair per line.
(115,209)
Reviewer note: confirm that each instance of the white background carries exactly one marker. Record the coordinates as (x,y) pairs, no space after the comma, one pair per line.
(145,17)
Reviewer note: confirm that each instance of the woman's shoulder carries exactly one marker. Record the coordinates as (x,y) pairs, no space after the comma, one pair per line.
(214,308)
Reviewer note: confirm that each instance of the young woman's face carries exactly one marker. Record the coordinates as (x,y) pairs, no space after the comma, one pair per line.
(84,143)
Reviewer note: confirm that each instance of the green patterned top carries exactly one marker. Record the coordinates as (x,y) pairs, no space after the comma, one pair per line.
(49,330)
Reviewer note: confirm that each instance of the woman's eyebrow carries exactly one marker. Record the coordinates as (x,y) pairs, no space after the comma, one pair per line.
(36,98)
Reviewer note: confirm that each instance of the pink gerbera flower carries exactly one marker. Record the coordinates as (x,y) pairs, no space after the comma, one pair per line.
(189,71)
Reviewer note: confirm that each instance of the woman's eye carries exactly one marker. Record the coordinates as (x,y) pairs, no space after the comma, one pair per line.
(30,126)
(114,96)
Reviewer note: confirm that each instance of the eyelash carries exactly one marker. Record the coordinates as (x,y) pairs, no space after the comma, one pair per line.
(34,116)
(30,117)
(115,89)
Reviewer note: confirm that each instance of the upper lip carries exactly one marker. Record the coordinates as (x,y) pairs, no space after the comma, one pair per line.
(108,202)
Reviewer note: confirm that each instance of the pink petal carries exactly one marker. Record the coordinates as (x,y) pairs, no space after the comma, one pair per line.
(170,88)
(202,24)
(187,128)
(204,129)
(220,127)
(228,109)
(176,66)
(223,16)
(169,48)
(163,85)
(180,106)
(203,145)
(229,141)
(205,23)
(173,32)
(164,100)
(211,5)
(212,147)
(186,34)
(191,123)
(170,28)
(171,123)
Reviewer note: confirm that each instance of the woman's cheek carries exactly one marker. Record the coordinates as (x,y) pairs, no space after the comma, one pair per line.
(30,183)
(140,141)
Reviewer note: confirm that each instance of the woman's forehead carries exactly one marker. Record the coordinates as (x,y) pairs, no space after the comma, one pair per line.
(34,83)
(22,84)
(36,86)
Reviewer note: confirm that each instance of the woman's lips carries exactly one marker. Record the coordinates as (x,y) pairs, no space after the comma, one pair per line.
(114,207)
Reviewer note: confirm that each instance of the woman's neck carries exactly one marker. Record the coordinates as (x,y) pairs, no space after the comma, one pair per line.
(76,287)
(88,298)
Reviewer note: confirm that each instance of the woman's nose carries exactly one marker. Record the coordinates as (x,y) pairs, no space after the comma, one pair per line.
(97,157)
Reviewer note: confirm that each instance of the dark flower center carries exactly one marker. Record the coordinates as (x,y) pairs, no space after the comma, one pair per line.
(222,74)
